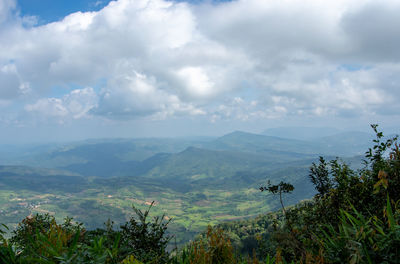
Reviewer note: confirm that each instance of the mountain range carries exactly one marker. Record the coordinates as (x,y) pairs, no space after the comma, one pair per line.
(195,181)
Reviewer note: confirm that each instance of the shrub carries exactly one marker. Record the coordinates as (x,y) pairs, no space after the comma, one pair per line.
(214,247)
(147,241)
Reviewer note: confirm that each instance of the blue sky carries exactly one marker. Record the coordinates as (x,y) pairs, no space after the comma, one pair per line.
(54,10)
(81,69)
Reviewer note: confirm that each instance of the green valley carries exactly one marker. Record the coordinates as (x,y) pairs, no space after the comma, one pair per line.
(195,182)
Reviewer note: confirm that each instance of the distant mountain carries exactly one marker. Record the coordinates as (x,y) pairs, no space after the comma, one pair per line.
(40,179)
(195,164)
(18,154)
(248,142)
(177,158)
(95,152)
(191,164)
(301,133)
(347,143)
(136,157)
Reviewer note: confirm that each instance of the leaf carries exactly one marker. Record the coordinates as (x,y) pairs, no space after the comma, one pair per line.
(389,213)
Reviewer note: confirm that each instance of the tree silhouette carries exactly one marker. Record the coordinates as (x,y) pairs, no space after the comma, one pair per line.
(282,187)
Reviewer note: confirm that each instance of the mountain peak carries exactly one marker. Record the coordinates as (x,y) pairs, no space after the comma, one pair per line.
(193,149)
(239,133)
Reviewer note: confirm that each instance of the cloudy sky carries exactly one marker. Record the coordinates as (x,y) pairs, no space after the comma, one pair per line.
(131,68)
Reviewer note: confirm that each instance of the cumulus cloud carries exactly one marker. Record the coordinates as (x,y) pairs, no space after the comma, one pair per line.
(163,58)
(248,110)
(196,81)
(74,105)
(137,95)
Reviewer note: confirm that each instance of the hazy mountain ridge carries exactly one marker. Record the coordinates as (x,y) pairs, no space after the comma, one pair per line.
(126,150)
(301,133)
(249,142)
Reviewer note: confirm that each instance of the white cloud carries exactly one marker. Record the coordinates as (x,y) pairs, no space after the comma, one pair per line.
(48,107)
(245,110)
(162,58)
(137,95)
(74,105)
(196,81)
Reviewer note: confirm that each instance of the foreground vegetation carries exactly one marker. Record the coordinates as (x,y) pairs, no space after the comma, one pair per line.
(354,218)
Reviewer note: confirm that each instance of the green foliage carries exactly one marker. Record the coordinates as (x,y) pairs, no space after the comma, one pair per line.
(39,239)
(319,176)
(282,187)
(214,248)
(251,235)
(7,252)
(344,222)
(146,240)
(361,239)
(131,260)
(31,227)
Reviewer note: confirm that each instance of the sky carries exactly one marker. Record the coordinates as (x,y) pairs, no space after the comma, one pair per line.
(71,70)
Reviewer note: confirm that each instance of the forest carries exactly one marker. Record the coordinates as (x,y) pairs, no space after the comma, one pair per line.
(353,218)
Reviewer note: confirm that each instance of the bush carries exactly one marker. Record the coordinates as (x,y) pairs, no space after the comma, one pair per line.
(214,247)
(343,222)
(146,240)
(360,239)
(39,239)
